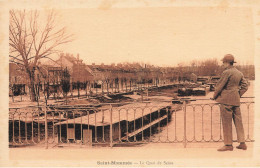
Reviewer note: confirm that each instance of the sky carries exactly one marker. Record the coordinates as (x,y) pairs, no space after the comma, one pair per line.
(159,36)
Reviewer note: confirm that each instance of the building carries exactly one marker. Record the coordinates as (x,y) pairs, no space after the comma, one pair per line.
(78,70)
(18,80)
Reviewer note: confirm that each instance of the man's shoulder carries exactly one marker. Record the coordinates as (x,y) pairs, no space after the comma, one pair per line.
(226,71)
(232,70)
(235,70)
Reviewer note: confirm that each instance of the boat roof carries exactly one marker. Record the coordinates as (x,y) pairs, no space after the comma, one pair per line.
(129,112)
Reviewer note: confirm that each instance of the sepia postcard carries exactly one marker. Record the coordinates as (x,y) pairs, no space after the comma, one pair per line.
(129,83)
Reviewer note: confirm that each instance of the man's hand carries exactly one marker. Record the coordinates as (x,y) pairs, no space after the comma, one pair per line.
(212,98)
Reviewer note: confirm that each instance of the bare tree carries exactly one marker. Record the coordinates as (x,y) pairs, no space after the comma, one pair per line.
(209,67)
(31,39)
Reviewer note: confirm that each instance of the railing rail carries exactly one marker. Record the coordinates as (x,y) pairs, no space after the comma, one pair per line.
(130,123)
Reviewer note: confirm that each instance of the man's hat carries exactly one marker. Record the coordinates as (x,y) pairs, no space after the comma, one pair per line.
(228,58)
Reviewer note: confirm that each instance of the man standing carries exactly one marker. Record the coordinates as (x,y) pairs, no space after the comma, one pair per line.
(231,86)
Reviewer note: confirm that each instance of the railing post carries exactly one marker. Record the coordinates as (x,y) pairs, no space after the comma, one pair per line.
(111,129)
(46,126)
(184,117)
(248,137)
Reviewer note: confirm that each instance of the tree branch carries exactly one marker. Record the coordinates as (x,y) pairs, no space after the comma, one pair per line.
(29,41)
(16,62)
(15,57)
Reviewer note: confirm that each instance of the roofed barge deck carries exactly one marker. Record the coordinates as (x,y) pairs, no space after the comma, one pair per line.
(130,122)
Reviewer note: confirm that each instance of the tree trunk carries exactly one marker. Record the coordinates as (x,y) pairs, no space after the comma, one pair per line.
(32,86)
(102,87)
(86,89)
(107,88)
(125,85)
(112,88)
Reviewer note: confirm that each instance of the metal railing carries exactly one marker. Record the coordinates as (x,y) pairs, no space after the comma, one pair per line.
(122,123)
